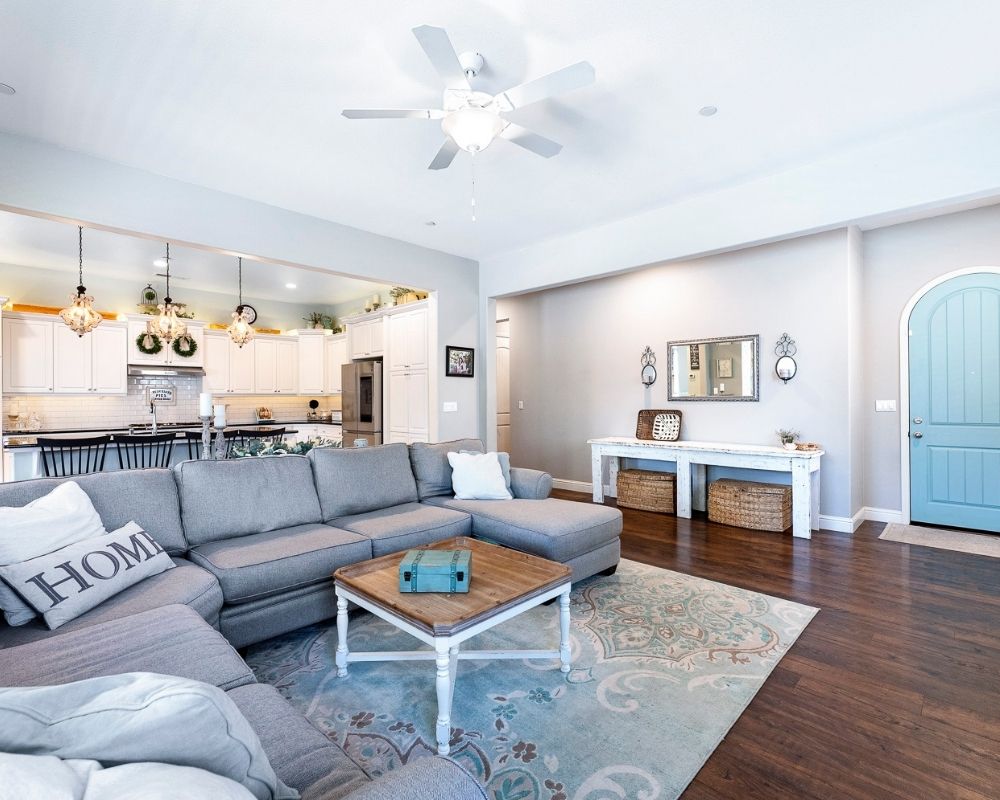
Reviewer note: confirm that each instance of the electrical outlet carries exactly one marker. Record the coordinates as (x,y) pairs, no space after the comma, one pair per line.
(520,405)
(885,405)
(450,406)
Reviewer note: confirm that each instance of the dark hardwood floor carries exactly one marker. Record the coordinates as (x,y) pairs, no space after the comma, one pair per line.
(893,691)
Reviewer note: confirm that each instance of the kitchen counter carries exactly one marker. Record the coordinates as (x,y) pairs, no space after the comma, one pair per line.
(27,439)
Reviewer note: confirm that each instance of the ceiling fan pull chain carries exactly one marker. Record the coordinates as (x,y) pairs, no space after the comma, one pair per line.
(473,159)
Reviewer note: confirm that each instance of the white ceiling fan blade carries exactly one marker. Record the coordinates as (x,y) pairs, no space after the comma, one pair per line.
(529,140)
(445,155)
(558,82)
(442,55)
(393,113)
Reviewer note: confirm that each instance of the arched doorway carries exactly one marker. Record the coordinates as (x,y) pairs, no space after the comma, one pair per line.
(951,391)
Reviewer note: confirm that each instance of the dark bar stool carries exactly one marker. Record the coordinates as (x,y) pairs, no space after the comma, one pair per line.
(145,452)
(193,441)
(272,434)
(62,458)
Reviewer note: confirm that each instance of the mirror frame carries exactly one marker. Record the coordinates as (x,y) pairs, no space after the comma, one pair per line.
(753,338)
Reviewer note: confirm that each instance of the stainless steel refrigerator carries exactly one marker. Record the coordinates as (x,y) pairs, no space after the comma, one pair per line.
(362,402)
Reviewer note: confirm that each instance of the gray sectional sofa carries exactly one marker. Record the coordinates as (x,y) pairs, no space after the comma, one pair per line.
(255,542)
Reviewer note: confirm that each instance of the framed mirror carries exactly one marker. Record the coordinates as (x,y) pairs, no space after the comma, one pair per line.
(726,368)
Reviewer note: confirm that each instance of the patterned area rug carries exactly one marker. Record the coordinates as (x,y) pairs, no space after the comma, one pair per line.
(663,665)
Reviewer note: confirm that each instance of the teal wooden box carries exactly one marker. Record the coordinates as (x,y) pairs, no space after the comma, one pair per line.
(435,571)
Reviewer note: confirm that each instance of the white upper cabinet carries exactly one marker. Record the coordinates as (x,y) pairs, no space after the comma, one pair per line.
(228,369)
(336,357)
(276,365)
(366,338)
(312,363)
(241,364)
(72,367)
(109,359)
(27,355)
(137,326)
(287,378)
(408,340)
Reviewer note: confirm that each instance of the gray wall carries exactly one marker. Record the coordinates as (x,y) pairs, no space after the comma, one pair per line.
(575,354)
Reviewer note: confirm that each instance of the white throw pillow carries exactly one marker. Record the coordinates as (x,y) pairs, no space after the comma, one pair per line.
(140,717)
(28,777)
(64,584)
(504,459)
(477,476)
(63,516)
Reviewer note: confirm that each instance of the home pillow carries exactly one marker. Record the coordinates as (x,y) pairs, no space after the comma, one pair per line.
(85,779)
(477,476)
(64,584)
(504,459)
(140,717)
(63,516)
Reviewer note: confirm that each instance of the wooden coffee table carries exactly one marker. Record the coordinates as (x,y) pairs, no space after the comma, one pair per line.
(504,583)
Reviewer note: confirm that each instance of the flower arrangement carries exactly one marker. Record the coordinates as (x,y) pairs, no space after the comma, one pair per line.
(788,437)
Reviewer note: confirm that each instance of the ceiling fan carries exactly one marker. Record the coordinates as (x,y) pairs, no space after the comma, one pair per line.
(471,120)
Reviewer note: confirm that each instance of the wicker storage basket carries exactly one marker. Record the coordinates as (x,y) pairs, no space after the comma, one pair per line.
(747,504)
(658,424)
(647,491)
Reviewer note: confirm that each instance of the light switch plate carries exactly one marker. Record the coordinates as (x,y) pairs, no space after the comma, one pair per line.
(885,405)
(450,406)
(520,405)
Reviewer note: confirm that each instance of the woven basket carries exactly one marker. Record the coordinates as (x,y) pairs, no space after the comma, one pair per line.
(647,491)
(747,504)
(658,424)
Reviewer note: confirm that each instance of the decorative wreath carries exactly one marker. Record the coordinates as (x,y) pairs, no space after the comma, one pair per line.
(184,346)
(148,343)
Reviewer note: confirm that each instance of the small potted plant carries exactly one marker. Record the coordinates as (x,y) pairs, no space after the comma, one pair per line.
(788,438)
(315,320)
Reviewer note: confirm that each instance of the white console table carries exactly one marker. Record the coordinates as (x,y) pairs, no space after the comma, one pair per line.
(692,458)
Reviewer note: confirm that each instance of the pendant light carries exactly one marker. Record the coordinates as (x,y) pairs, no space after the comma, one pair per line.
(239,329)
(167,325)
(80,315)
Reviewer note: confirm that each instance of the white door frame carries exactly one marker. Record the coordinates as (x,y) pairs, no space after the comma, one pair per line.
(904,378)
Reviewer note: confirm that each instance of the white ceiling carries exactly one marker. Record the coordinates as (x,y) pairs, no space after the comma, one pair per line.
(243,97)
(32,242)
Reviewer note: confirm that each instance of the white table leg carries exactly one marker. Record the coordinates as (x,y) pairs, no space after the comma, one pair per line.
(683,487)
(814,506)
(341,637)
(564,649)
(614,462)
(597,474)
(453,672)
(801,499)
(698,487)
(444,690)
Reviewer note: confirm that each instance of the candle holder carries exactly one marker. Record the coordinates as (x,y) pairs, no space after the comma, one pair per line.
(220,444)
(206,437)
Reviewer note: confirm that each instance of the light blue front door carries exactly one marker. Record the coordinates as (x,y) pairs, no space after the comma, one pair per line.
(955,404)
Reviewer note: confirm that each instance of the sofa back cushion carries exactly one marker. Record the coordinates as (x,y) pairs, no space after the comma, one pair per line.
(362,479)
(145,496)
(240,496)
(431,467)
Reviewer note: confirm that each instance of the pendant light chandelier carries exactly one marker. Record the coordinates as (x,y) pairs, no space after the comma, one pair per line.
(80,315)
(167,325)
(239,329)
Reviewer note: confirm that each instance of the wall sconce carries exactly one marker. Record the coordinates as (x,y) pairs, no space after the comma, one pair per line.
(785,367)
(648,370)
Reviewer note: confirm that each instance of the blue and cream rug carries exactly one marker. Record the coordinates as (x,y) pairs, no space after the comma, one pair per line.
(663,665)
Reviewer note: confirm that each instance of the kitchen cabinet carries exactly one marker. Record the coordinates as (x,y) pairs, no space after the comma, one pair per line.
(166,356)
(94,362)
(308,431)
(336,357)
(276,365)
(409,418)
(228,369)
(408,340)
(366,338)
(312,363)
(27,355)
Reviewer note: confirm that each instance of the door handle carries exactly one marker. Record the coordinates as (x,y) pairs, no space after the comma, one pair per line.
(918,435)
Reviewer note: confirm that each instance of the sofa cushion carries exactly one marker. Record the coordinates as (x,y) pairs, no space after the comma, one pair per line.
(223,499)
(263,564)
(300,754)
(551,528)
(145,496)
(360,479)
(431,467)
(172,640)
(186,584)
(408,525)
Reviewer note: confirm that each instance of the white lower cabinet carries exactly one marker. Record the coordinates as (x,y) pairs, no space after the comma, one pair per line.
(408,406)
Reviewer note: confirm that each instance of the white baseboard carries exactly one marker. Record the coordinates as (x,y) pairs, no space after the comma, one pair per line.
(573,486)
(883,514)
(842,524)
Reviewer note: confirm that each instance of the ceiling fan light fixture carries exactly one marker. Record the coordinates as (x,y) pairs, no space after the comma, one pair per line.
(472,129)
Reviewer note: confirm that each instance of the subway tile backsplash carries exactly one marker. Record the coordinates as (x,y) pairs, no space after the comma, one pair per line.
(115,411)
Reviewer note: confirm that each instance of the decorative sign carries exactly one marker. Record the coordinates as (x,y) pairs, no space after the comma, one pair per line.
(161,395)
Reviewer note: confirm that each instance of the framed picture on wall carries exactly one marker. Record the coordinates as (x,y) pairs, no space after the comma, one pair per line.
(459,362)
(725,368)
(695,357)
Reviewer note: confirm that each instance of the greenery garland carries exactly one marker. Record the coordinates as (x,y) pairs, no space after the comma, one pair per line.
(192,347)
(155,347)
